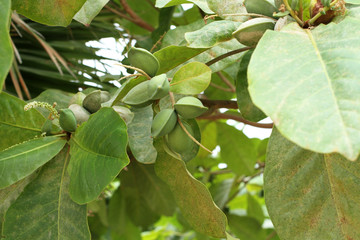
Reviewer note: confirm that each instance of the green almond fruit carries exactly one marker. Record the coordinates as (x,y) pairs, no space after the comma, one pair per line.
(143,59)
(124,113)
(189,107)
(81,114)
(163,123)
(178,141)
(93,101)
(250,32)
(138,96)
(67,120)
(262,7)
(158,87)
(78,98)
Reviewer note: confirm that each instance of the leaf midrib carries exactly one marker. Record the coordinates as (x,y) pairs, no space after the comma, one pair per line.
(336,104)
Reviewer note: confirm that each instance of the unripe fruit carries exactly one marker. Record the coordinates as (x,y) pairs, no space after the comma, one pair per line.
(262,7)
(93,101)
(189,107)
(124,113)
(67,120)
(78,98)
(163,123)
(250,32)
(47,126)
(138,96)
(81,114)
(143,59)
(158,87)
(177,140)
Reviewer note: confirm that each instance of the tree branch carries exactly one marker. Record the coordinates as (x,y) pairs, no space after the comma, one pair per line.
(221,57)
(136,19)
(236,118)
(226,81)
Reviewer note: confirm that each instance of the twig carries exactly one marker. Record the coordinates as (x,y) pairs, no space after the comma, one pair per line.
(227,55)
(271,235)
(226,81)
(158,42)
(120,14)
(191,137)
(129,76)
(134,68)
(221,88)
(172,99)
(293,14)
(137,20)
(236,118)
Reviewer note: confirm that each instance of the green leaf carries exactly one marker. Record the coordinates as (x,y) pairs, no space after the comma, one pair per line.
(237,150)
(155,192)
(224,7)
(208,138)
(172,56)
(51,12)
(213,92)
(23,159)
(137,207)
(193,78)
(229,237)
(254,209)
(139,131)
(221,191)
(320,198)
(168,3)
(308,77)
(17,125)
(6,51)
(98,153)
(247,108)
(246,228)
(89,10)
(211,34)
(120,224)
(44,209)
(192,197)
(10,194)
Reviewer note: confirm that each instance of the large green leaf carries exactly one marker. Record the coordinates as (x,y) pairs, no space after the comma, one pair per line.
(98,153)
(10,194)
(168,3)
(6,51)
(247,228)
(193,78)
(139,131)
(247,108)
(192,197)
(237,150)
(224,7)
(308,83)
(172,56)
(155,192)
(17,125)
(89,10)
(23,159)
(211,34)
(44,210)
(311,195)
(51,12)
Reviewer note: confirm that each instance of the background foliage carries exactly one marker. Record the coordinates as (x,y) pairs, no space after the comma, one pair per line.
(111,180)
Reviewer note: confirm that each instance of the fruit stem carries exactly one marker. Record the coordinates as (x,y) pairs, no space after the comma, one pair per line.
(301,23)
(129,76)
(172,99)
(191,137)
(313,19)
(134,68)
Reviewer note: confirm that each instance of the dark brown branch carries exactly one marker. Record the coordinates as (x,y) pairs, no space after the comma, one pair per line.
(236,118)
(220,103)
(136,19)
(221,57)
